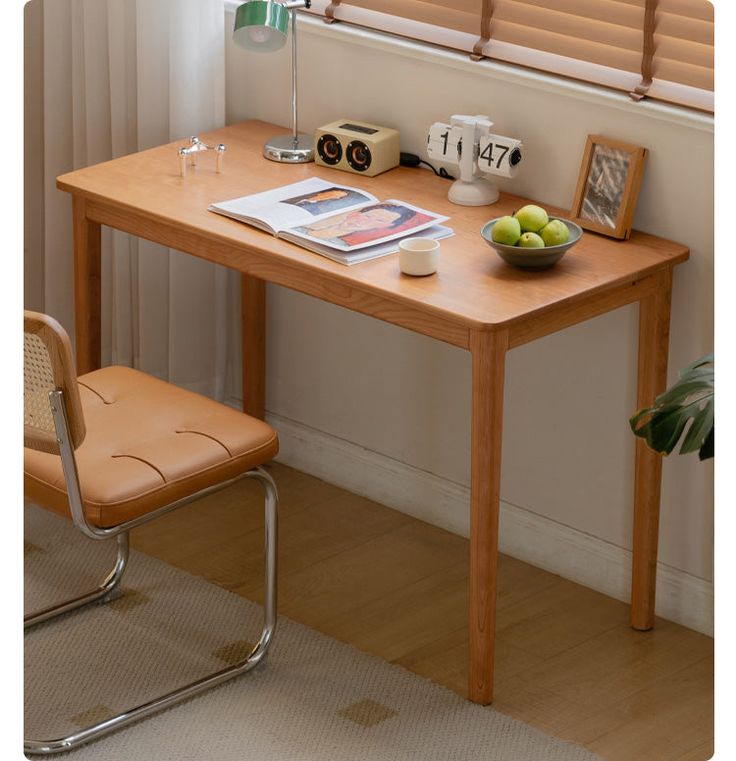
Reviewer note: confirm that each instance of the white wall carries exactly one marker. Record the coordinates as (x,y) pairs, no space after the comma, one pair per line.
(355,384)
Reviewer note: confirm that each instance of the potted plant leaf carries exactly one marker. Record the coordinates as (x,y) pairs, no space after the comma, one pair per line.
(690,398)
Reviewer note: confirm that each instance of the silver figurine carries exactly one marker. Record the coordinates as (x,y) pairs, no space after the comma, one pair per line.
(197,146)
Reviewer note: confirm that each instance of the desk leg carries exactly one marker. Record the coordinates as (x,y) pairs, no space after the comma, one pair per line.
(654,332)
(488,350)
(253,327)
(87,287)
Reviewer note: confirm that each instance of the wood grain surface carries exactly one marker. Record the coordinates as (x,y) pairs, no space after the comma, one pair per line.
(473,288)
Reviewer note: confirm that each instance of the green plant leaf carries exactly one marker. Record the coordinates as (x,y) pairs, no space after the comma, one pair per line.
(700,427)
(706,360)
(708,449)
(685,411)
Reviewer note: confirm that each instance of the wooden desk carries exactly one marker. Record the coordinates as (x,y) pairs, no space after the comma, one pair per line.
(476,301)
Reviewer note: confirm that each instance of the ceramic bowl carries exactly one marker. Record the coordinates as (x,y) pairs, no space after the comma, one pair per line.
(532,257)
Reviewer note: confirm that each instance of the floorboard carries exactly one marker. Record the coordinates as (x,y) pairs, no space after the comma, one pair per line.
(567,661)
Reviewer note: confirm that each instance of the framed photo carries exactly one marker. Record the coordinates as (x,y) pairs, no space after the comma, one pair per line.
(608,186)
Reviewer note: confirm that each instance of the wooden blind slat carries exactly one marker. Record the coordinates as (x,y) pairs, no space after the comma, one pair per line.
(608,11)
(671,25)
(670,41)
(687,53)
(701,10)
(686,74)
(420,10)
(464,16)
(624,57)
(577,28)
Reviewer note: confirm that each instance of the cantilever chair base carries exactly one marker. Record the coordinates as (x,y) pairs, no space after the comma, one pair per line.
(179,448)
(95,731)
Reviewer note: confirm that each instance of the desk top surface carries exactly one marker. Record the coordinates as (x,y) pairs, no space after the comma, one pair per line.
(473,287)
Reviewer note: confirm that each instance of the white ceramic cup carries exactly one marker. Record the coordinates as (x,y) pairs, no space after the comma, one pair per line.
(419,256)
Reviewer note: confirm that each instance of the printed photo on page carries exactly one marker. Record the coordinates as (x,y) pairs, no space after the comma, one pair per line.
(291,205)
(330,199)
(367,225)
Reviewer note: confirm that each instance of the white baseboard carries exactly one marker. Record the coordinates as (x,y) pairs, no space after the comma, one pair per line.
(525,535)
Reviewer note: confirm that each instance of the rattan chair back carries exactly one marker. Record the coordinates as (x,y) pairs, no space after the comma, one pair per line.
(48,366)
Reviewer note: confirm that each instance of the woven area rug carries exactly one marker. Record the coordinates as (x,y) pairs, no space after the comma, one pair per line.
(314,699)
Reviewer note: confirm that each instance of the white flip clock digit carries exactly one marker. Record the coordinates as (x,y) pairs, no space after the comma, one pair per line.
(468,143)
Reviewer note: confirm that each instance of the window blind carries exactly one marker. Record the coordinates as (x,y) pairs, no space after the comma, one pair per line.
(661,49)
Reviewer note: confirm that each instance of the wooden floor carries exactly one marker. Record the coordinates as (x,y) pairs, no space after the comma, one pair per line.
(566,660)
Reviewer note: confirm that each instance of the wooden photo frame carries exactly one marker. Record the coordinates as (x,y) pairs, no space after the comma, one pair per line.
(608,186)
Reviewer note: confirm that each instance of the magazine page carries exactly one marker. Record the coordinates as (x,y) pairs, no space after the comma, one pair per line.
(291,205)
(373,252)
(365,226)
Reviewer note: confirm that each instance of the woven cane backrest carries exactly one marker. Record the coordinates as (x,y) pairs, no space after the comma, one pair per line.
(48,366)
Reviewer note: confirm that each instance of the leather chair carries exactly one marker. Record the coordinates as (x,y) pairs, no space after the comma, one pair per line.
(116,448)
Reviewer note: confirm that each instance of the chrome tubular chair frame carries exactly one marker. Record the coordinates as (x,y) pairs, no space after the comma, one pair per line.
(112,582)
(106,591)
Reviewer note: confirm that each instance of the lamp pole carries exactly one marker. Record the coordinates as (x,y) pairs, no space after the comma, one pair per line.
(293,77)
(301,148)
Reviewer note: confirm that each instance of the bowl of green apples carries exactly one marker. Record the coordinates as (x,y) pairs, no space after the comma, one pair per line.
(530,237)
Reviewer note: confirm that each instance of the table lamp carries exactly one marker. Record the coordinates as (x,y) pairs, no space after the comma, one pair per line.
(263,26)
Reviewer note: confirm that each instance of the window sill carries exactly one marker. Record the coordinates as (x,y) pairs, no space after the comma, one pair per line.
(570,88)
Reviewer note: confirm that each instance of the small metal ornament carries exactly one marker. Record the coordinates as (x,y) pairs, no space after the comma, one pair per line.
(197,146)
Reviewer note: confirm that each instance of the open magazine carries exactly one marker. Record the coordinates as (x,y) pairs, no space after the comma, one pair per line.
(342,223)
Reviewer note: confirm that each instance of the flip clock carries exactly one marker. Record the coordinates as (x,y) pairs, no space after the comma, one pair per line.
(468,143)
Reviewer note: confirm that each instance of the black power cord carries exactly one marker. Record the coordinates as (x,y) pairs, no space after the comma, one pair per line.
(412,160)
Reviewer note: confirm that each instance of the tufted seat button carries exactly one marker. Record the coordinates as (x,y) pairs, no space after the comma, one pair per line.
(155,444)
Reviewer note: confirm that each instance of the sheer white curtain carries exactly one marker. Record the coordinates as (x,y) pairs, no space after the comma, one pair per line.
(121,76)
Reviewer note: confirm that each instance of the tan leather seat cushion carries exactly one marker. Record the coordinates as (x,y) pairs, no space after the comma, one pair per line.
(148,443)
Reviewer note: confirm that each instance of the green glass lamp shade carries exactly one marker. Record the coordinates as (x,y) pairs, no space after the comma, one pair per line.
(261,25)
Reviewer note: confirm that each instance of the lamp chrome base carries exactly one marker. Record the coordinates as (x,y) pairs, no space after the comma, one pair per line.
(284,148)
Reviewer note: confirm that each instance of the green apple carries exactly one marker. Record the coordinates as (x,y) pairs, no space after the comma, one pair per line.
(507,230)
(531,240)
(531,218)
(555,233)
